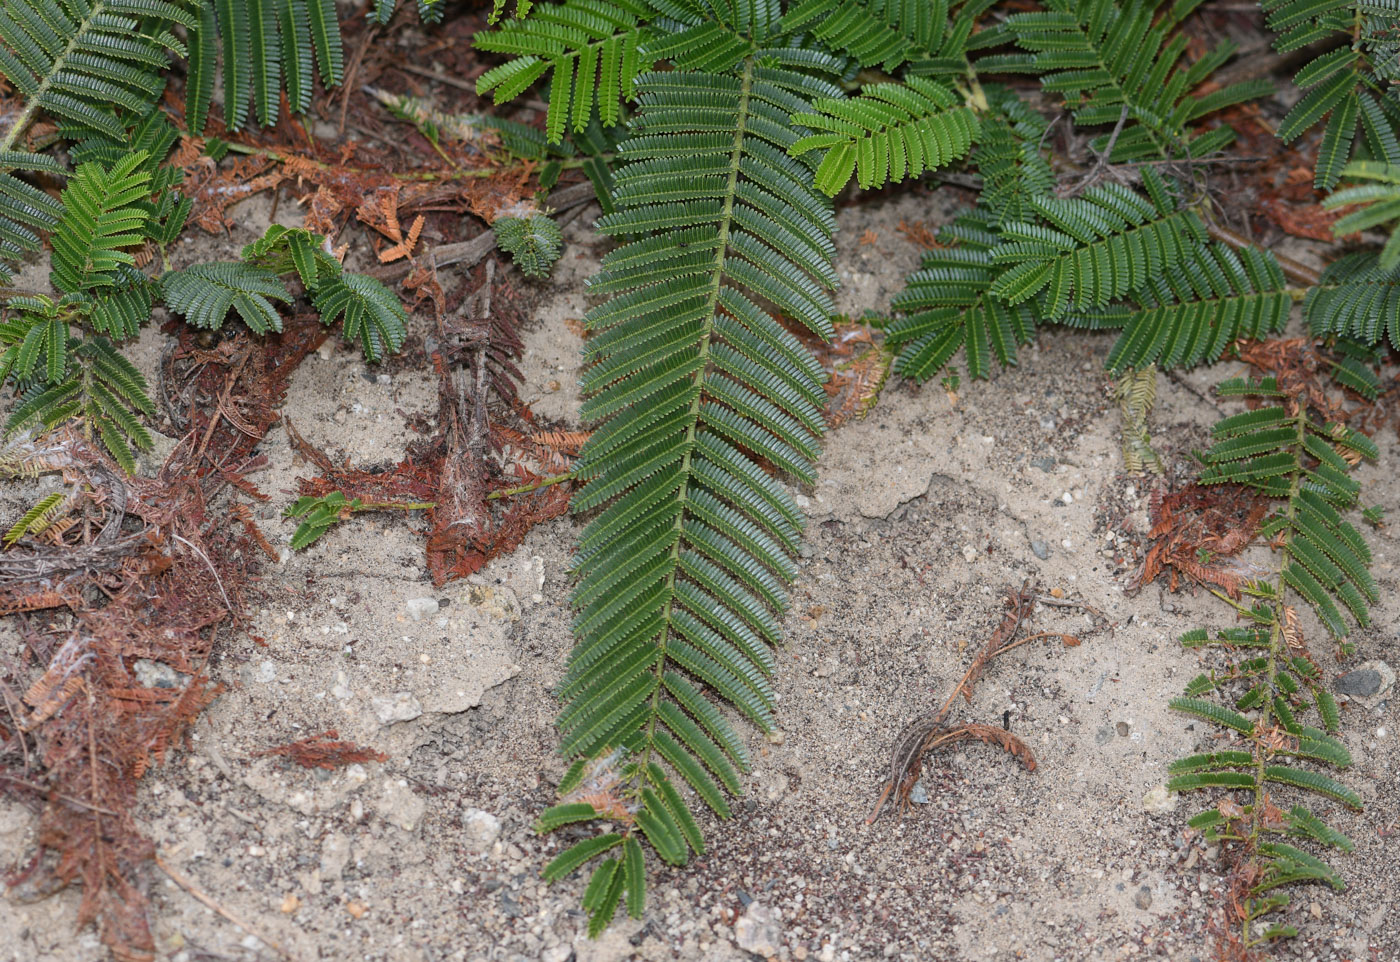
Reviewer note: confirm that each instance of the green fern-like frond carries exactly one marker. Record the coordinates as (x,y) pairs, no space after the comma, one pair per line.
(102,389)
(592,51)
(1192,312)
(1344,84)
(1111,243)
(682,570)
(1377,203)
(36,341)
(890,132)
(1009,159)
(316,515)
(533,242)
(103,213)
(927,38)
(39,518)
(371,313)
(268,49)
(947,305)
(1306,462)
(1356,298)
(1114,63)
(86,60)
(431,11)
(205,293)
(24,209)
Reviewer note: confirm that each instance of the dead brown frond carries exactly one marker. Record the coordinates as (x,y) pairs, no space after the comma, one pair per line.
(929,732)
(1198,532)
(324,751)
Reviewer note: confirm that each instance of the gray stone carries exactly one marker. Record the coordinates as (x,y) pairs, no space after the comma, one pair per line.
(1369,682)
(1046,464)
(420,608)
(482,829)
(918,794)
(1040,549)
(1143,898)
(399,707)
(1103,736)
(757,931)
(1362,681)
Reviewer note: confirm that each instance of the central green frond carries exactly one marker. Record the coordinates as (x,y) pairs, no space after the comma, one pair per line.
(700,392)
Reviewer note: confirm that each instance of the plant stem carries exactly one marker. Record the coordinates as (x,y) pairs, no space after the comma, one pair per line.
(533,486)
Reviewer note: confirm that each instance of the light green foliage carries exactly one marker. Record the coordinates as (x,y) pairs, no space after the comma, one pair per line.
(1114,63)
(1136,392)
(1346,83)
(1376,203)
(318,514)
(39,518)
(86,63)
(890,132)
(533,242)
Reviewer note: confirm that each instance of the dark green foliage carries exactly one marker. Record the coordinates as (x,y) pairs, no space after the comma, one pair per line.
(99,386)
(948,304)
(923,36)
(682,570)
(88,65)
(1192,312)
(1010,161)
(533,242)
(1376,203)
(1125,63)
(267,48)
(1356,298)
(1286,454)
(1345,84)
(205,293)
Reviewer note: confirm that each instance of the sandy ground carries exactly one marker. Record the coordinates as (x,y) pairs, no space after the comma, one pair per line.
(923,515)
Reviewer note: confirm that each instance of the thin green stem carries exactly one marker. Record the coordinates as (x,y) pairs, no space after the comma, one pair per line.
(533,486)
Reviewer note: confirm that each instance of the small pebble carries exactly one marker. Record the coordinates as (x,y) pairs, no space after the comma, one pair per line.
(1040,549)
(357,909)
(969,553)
(1143,898)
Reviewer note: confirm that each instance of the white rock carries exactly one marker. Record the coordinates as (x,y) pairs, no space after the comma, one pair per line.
(969,553)
(1159,801)
(399,707)
(398,805)
(335,855)
(483,829)
(420,608)
(758,931)
(267,672)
